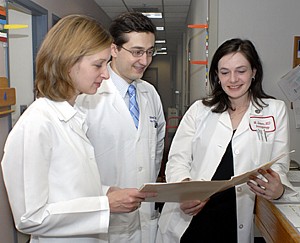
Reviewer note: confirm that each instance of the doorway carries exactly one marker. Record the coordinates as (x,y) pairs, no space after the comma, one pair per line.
(151,75)
(23,47)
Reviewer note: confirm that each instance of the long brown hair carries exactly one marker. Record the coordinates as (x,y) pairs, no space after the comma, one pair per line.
(218,99)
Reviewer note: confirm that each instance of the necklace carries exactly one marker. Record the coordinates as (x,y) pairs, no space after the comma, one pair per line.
(235,113)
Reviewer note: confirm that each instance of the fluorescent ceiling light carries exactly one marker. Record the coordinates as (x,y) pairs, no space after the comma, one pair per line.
(160,41)
(160,28)
(161,53)
(153,15)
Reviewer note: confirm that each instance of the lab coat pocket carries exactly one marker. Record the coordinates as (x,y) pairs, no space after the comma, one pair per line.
(262,144)
(165,217)
(173,219)
(152,231)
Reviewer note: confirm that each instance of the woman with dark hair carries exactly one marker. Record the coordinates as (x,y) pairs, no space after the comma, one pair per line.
(237,128)
(219,96)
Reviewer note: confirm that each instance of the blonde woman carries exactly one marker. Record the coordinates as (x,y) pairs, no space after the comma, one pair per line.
(49,165)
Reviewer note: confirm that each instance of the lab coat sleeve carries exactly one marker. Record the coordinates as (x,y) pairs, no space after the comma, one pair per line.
(105,189)
(161,130)
(282,145)
(25,165)
(180,155)
(282,139)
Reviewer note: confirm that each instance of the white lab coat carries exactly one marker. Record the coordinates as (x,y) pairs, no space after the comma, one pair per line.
(127,157)
(51,176)
(199,145)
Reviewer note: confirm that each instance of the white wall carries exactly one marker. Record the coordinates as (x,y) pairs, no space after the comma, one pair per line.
(65,7)
(271,25)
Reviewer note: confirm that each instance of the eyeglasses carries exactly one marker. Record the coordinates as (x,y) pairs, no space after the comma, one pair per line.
(138,53)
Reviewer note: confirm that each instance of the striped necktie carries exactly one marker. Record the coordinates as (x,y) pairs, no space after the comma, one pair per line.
(133,105)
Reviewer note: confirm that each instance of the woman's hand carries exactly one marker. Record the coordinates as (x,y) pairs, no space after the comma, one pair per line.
(192,208)
(269,186)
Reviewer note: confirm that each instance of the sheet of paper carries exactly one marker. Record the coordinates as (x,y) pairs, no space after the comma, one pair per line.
(296,109)
(292,213)
(290,84)
(198,190)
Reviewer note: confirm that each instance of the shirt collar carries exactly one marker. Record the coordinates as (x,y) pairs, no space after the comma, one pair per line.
(120,83)
(65,112)
(63,109)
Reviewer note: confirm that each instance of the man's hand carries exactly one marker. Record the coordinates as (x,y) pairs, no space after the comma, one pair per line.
(126,200)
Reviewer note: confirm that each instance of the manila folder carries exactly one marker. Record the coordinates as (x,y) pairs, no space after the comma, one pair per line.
(198,190)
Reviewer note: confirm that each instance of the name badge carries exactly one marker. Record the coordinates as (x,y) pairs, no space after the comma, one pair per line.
(153,119)
(262,123)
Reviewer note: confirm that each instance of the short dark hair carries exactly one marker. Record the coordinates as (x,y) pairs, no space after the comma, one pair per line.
(129,22)
(218,98)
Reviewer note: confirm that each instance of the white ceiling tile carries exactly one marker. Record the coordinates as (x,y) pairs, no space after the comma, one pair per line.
(103,3)
(175,15)
(109,9)
(176,9)
(177,2)
(142,2)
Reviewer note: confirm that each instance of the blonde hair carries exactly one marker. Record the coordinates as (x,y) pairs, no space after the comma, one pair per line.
(73,37)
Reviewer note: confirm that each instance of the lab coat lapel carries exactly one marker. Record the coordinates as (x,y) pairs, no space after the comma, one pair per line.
(255,112)
(244,124)
(67,113)
(117,102)
(79,130)
(143,103)
(108,88)
(217,128)
(225,119)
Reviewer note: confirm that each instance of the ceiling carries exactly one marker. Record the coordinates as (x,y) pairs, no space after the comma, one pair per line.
(174,16)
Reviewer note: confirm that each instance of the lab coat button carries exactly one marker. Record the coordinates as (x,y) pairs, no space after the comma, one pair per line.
(241,226)
(239,189)
(237,151)
(140,168)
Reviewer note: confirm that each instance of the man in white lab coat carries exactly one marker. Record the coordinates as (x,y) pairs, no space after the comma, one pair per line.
(128,154)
